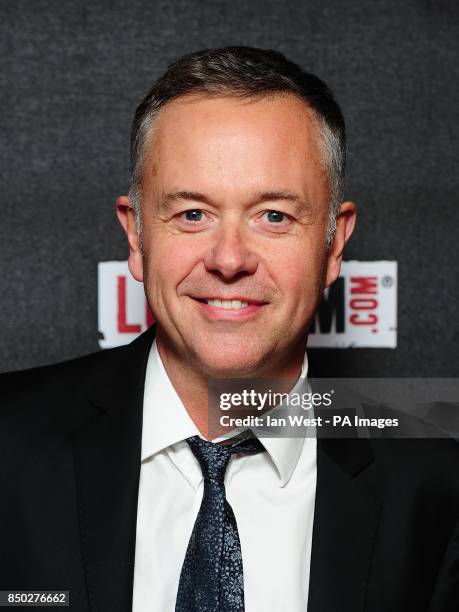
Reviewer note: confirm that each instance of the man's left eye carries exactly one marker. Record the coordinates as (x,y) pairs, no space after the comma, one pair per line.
(275,216)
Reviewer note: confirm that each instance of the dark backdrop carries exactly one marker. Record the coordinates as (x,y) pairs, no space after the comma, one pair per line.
(72,76)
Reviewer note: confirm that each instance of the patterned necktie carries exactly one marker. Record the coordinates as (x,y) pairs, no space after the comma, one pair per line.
(211,579)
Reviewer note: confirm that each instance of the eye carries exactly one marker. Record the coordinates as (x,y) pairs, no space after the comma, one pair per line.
(275,216)
(193,215)
(275,222)
(193,220)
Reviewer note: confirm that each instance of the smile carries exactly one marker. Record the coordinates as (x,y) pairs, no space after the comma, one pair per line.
(227,304)
(234,307)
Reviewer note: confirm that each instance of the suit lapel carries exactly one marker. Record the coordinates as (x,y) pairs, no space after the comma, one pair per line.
(107,453)
(345,524)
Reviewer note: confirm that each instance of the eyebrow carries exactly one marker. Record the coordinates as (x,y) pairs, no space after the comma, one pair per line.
(259,198)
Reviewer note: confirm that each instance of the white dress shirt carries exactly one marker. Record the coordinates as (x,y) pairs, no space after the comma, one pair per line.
(272,495)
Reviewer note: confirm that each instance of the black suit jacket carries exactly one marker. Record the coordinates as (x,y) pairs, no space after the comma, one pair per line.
(385,535)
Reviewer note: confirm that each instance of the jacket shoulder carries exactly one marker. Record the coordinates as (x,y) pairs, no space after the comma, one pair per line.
(67,375)
(420,469)
(53,399)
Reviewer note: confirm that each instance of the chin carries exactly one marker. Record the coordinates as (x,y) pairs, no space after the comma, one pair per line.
(235,365)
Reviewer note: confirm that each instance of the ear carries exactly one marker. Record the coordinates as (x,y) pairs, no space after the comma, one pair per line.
(126,217)
(345,224)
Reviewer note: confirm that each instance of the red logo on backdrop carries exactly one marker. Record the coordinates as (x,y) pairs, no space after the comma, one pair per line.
(359,309)
(123,326)
(362,306)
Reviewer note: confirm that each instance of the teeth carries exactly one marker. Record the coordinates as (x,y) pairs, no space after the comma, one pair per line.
(228,304)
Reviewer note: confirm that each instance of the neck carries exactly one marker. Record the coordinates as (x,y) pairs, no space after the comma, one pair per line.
(191,383)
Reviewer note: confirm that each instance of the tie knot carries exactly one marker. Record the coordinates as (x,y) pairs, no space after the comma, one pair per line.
(214,458)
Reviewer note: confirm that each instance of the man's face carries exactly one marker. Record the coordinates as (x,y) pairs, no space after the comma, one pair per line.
(234,222)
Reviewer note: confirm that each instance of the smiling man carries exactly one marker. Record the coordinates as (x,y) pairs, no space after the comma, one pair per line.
(114,488)
(235,216)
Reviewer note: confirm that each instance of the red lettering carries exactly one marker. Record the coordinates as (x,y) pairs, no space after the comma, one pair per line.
(364,304)
(123,326)
(372,319)
(365,284)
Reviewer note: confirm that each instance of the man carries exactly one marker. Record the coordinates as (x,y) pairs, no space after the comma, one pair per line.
(111,488)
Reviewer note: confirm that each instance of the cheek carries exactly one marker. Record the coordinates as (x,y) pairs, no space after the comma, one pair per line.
(297,270)
(167,263)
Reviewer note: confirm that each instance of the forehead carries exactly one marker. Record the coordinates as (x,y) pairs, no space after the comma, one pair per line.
(228,141)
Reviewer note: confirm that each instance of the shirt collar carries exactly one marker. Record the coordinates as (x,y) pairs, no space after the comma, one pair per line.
(285,450)
(166,421)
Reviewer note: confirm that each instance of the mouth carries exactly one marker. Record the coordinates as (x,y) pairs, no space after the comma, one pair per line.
(233,303)
(233,307)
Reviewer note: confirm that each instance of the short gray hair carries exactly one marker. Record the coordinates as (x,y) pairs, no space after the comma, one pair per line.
(244,72)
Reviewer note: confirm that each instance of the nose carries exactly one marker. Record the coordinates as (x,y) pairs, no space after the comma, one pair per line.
(230,255)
